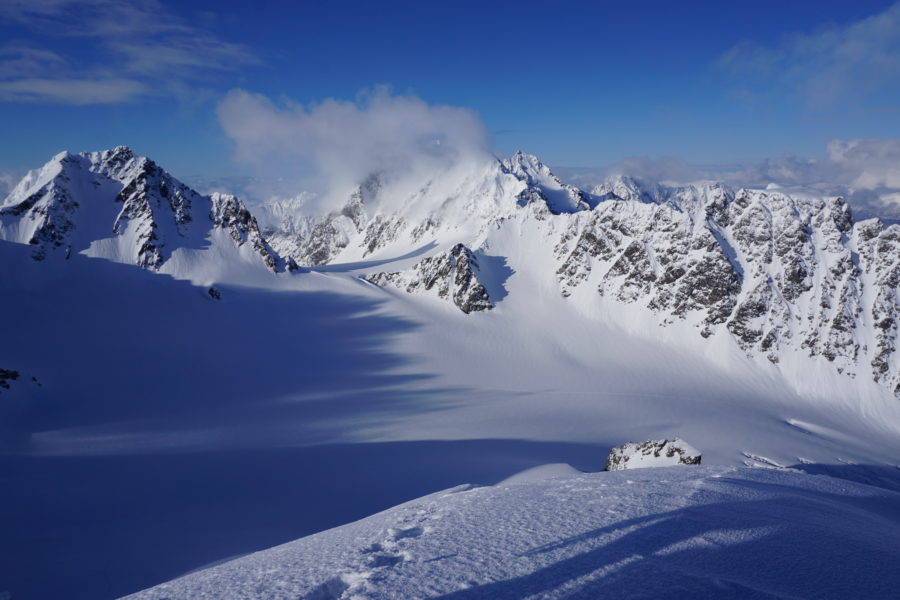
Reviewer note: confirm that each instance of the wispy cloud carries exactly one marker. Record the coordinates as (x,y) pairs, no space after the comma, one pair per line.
(71,91)
(137,49)
(7,183)
(830,65)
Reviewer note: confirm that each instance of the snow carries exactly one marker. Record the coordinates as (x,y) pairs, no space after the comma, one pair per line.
(653,453)
(669,532)
(172,431)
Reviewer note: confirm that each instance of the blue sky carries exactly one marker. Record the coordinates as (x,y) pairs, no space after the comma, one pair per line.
(577,83)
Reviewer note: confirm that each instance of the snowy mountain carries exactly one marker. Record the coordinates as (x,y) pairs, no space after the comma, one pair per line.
(124,208)
(787,278)
(455,327)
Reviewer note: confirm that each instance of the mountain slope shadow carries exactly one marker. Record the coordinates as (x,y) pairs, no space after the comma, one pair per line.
(124,354)
(493,273)
(173,429)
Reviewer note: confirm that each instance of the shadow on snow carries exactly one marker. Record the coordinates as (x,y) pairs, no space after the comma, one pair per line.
(792,546)
(172,430)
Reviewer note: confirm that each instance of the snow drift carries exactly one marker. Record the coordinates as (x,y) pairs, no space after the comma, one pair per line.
(703,532)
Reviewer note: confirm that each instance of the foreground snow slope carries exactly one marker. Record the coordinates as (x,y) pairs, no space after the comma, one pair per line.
(675,532)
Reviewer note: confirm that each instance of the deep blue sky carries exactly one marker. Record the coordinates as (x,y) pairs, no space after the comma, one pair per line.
(577,83)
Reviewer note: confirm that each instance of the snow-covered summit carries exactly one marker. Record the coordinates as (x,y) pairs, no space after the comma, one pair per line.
(116,205)
(542,185)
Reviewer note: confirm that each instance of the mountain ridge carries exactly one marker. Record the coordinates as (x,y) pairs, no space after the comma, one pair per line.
(781,274)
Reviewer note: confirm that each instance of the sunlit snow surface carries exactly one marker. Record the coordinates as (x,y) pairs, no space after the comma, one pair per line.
(673,532)
(171,430)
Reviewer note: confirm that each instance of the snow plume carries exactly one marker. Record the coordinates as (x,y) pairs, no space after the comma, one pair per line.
(334,145)
(7,182)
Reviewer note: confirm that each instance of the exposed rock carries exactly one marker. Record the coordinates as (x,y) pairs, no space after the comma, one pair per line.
(65,204)
(778,273)
(7,375)
(454,274)
(543,187)
(230,214)
(652,453)
(320,240)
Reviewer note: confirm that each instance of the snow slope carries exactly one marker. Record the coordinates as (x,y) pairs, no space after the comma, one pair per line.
(790,278)
(675,532)
(172,429)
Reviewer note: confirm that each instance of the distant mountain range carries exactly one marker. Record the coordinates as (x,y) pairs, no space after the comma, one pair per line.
(788,277)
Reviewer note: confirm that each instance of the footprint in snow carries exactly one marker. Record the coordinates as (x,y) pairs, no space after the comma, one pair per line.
(409,532)
(386,560)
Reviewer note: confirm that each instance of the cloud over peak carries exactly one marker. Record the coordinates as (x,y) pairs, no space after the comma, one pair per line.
(343,141)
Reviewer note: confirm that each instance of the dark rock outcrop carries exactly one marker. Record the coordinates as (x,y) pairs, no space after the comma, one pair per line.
(454,274)
(652,453)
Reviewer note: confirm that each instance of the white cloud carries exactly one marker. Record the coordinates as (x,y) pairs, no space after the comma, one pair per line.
(23,61)
(139,48)
(869,164)
(342,142)
(7,182)
(865,171)
(834,63)
(659,170)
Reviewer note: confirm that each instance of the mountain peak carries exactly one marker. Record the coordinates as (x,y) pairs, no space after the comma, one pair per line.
(123,207)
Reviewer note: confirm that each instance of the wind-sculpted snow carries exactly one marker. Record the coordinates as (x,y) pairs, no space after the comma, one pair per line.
(120,206)
(454,274)
(201,410)
(699,532)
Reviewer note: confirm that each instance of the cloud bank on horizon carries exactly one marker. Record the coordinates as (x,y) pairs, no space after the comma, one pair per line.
(865,171)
